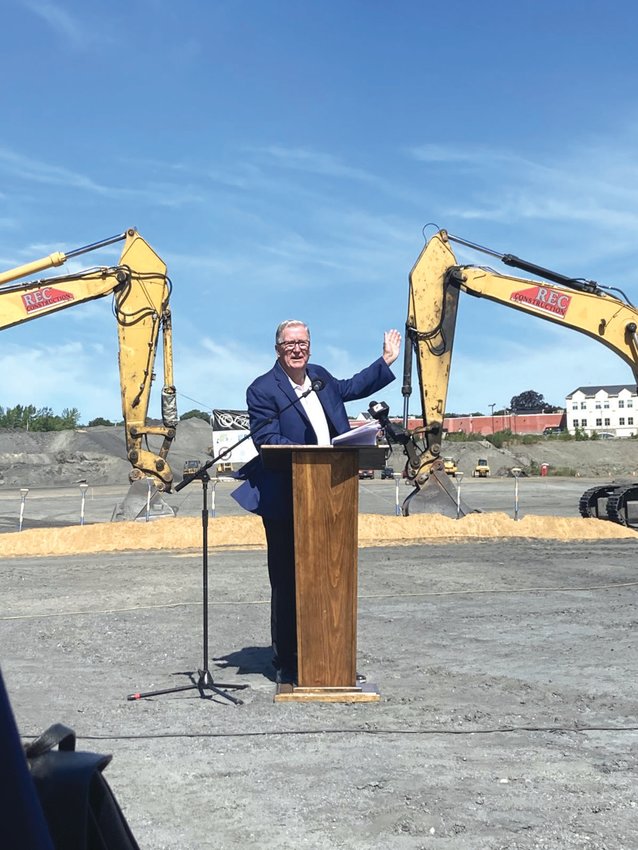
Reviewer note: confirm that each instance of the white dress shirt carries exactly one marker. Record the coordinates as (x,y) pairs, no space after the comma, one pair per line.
(314,411)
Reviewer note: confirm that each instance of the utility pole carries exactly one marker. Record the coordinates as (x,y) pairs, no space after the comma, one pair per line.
(492,406)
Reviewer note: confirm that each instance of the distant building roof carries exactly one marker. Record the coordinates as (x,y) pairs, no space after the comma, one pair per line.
(610,389)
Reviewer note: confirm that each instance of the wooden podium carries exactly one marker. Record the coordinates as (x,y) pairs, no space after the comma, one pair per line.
(325,487)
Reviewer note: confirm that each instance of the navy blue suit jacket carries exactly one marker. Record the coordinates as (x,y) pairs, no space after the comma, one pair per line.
(268,493)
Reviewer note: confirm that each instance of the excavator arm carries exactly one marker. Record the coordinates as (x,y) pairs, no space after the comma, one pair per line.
(436,283)
(141,290)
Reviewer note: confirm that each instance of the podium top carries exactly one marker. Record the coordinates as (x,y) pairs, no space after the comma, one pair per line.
(280,457)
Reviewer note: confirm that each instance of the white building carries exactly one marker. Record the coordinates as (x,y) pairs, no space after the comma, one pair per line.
(611,409)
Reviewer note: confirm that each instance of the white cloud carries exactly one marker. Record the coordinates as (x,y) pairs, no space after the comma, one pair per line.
(218,374)
(61,22)
(592,182)
(478,380)
(58,377)
(312,161)
(34,170)
(37,171)
(476,155)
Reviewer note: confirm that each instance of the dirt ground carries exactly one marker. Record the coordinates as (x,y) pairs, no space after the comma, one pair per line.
(507,673)
(503,650)
(505,660)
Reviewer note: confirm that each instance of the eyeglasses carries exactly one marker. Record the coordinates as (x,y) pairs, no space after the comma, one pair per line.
(301,344)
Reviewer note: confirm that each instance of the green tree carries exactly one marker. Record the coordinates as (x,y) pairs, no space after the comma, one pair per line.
(99,420)
(17,417)
(529,400)
(44,419)
(199,414)
(70,419)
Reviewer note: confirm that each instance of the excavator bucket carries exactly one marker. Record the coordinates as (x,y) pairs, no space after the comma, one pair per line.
(142,502)
(437,496)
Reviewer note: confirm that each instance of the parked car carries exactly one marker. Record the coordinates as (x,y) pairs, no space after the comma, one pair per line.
(551,430)
(366,473)
(387,472)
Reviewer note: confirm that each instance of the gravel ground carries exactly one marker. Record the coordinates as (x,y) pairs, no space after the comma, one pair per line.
(61,506)
(507,673)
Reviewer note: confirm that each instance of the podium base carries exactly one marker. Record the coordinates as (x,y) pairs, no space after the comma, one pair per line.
(295,693)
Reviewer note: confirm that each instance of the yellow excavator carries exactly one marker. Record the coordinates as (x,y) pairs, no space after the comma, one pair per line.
(436,283)
(141,290)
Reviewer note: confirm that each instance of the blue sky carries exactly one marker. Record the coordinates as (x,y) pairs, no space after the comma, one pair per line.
(283,157)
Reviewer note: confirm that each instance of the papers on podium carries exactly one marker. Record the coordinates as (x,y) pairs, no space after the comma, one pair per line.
(364,435)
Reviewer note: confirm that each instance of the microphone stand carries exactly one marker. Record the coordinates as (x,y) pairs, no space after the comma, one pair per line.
(205,681)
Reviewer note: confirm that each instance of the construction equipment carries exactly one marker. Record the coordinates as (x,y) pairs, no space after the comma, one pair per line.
(190,467)
(436,283)
(141,289)
(449,466)
(482,469)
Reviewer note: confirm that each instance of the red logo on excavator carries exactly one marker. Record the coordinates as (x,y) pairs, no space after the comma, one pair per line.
(40,299)
(544,298)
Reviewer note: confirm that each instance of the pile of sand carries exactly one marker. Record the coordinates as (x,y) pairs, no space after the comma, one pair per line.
(247,532)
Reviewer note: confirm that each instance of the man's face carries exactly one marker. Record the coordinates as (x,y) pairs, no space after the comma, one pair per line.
(293,350)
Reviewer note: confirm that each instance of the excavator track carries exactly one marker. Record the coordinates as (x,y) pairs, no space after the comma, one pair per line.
(590,502)
(622,505)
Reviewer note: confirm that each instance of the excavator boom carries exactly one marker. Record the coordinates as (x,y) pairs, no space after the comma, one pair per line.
(436,283)
(141,289)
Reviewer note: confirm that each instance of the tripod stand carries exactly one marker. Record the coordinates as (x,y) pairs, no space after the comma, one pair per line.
(205,681)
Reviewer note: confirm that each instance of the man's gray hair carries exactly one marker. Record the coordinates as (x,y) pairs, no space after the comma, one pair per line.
(281,327)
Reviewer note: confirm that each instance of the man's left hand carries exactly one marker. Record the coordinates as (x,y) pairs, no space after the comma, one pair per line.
(391,346)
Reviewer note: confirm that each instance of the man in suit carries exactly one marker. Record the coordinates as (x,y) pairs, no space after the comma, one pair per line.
(280,415)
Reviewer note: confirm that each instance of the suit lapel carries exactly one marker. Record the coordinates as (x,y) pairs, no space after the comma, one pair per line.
(286,387)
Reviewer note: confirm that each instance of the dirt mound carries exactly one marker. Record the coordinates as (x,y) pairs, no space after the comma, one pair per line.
(584,459)
(247,532)
(61,458)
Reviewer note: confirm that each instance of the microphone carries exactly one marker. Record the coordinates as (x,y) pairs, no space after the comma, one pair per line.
(315,386)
